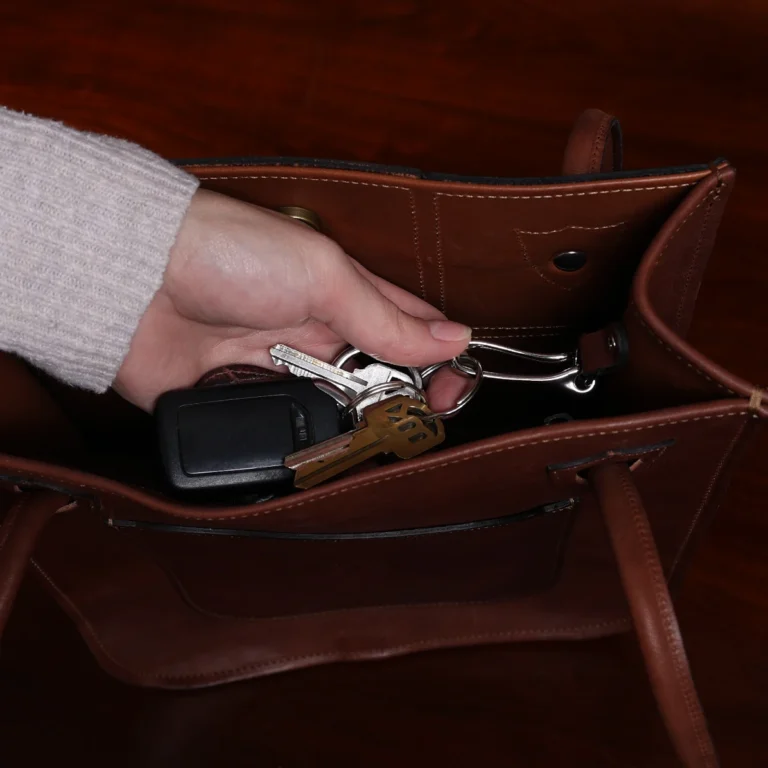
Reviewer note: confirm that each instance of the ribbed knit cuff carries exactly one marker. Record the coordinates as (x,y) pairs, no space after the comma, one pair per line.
(86,226)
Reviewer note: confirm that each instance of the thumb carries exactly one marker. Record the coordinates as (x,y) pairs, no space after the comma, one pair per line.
(354,308)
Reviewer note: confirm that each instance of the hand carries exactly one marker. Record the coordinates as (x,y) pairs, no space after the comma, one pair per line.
(241,278)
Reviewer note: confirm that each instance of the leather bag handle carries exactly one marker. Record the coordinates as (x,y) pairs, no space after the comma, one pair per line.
(594,146)
(653,614)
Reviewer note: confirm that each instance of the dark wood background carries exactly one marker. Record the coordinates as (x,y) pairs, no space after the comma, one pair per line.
(474,87)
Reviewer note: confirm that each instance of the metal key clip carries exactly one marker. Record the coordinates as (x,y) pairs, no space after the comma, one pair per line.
(571,373)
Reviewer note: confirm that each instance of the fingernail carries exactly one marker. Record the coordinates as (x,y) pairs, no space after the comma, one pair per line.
(445,330)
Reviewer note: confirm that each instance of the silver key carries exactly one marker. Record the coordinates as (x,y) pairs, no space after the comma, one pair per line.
(378,373)
(301,364)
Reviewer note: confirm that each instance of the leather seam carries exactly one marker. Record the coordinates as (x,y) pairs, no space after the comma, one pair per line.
(405,647)
(688,363)
(252,515)
(668,617)
(704,201)
(617,623)
(439,253)
(707,495)
(598,146)
(688,277)
(473,457)
(569,226)
(516,335)
(438,234)
(519,327)
(417,244)
(536,268)
(455,194)
(412,205)
(565,194)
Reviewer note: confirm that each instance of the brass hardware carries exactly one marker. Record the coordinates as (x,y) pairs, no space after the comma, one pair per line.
(304,215)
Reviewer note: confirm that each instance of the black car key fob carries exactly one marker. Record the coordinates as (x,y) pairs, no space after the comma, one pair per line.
(234,438)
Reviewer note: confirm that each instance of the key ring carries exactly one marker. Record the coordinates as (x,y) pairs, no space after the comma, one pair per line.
(380,389)
(462,360)
(350,352)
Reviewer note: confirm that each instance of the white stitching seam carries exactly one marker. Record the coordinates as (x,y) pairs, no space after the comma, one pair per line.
(472,457)
(438,234)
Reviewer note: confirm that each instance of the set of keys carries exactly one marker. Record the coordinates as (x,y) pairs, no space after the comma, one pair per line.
(325,420)
(387,407)
(255,437)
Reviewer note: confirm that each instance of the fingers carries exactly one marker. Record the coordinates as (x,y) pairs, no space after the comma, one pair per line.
(445,388)
(358,311)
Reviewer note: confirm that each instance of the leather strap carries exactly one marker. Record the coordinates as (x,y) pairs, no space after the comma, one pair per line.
(653,614)
(20,529)
(595,144)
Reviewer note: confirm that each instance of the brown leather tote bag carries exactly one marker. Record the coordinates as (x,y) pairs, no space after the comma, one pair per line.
(520,527)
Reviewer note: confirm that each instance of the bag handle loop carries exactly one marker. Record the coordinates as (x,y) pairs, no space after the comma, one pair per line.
(653,614)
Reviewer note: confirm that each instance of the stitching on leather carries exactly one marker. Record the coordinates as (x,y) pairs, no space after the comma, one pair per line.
(472,457)
(536,268)
(453,194)
(695,258)
(465,639)
(518,327)
(468,458)
(688,363)
(439,252)
(707,495)
(515,335)
(598,147)
(412,200)
(417,244)
(682,672)
(570,226)
(439,240)
(235,177)
(566,194)
(698,205)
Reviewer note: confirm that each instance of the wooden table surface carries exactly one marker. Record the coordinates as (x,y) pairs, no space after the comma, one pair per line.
(485,88)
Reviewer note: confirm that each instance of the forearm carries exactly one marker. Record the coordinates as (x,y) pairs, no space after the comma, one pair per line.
(86,226)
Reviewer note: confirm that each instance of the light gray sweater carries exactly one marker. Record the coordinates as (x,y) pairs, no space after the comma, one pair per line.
(86,226)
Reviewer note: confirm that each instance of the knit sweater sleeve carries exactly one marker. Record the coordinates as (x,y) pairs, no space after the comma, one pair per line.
(86,227)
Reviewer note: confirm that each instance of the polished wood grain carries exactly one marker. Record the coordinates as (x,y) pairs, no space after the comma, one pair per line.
(466,87)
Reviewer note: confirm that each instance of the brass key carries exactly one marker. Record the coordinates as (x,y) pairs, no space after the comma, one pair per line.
(395,425)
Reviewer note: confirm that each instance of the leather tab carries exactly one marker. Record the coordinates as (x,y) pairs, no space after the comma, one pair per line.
(653,614)
(603,351)
(595,144)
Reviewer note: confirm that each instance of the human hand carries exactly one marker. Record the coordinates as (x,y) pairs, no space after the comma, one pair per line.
(241,278)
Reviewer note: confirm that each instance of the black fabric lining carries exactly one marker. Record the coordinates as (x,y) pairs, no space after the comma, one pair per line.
(392,534)
(415,173)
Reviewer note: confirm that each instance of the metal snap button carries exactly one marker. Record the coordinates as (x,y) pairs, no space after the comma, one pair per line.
(570,261)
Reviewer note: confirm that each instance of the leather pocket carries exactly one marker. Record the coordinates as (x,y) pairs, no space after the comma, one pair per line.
(261,574)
